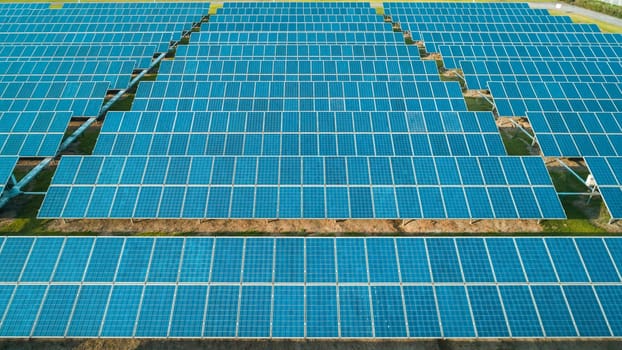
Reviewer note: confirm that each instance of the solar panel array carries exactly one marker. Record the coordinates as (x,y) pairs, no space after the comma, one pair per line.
(312,288)
(563,77)
(64,61)
(328,115)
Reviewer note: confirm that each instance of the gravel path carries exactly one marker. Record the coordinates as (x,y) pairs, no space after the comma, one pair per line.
(578,10)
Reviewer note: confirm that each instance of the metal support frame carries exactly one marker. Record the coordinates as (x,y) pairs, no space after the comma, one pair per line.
(531,137)
(460,76)
(573,173)
(16,190)
(485,98)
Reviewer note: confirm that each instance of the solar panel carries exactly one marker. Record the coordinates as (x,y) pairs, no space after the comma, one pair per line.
(605,171)
(291,308)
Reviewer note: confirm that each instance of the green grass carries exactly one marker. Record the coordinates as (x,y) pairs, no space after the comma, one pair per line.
(123,104)
(86,141)
(516,142)
(581,216)
(477,104)
(27,206)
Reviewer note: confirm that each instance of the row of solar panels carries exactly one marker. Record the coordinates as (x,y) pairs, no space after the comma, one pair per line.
(276,32)
(451,5)
(312,311)
(117,73)
(331,144)
(323,70)
(454,54)
(101,19)
(102,28)
(118,39)
(299,36)
(344,134)
(300,296)
(435,41)
(578,134)
(299,122)
(298,89)
(141,55)
(296,260)
(478,73)
(163,5)
(375,187)
(293,51)
(478,19)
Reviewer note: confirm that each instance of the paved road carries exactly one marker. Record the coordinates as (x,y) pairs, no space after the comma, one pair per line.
(578,10)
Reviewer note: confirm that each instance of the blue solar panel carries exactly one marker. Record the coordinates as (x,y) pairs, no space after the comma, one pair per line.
(254,313)
(297,306)
(12,258)
(89,310)
(322,312)
(103,261)
(566,259)
(155,311)
(56,310)
(536,260)
(587,314)
(505,260)
(520,311)
(474,260)
(597,260)
(221,315)
(289,312)
(389,312)
(355,312)
(187,319)
(122,311)
(42,259)
(556,319)
(610,298)
(21,314)
(444,260)
(455,315)
(487,311)
(381,255)
(413,261)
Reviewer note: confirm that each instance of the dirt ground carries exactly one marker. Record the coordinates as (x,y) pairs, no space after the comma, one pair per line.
(308,227)
(134,344)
